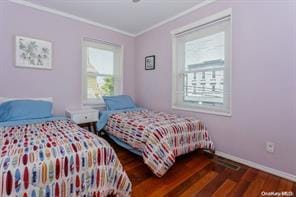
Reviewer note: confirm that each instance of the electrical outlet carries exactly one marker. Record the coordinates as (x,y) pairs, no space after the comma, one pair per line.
(269,146)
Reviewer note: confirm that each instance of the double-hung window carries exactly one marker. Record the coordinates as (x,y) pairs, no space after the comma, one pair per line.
(202,65)
(101,71)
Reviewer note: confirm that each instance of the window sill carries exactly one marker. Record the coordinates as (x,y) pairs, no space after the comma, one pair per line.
(94,105)
(203,111)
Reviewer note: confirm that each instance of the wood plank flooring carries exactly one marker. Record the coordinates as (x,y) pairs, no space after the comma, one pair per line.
(196,175)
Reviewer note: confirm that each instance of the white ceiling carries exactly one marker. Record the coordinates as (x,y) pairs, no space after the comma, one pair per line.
(123,15)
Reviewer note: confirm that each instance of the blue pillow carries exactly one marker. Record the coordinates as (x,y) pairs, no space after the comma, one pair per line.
(119,102)
(25,109)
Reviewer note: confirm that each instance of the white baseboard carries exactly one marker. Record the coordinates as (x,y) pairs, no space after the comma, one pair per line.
(279,173)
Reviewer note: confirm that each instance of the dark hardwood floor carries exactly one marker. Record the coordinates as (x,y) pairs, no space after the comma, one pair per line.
(195,174)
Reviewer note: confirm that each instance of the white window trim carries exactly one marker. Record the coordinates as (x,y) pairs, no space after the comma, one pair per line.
(98,102)
(174,33)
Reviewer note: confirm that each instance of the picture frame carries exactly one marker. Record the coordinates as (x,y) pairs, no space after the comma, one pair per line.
(150,62)
(33,53)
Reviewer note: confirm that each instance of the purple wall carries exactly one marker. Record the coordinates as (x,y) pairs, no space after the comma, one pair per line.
(63,83)
(264,72)
(263,80)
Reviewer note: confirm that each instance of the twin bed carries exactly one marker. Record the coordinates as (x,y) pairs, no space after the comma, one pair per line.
(43,155)
(52,156)
(156,136)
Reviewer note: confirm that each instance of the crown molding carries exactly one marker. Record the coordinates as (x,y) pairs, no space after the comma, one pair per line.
(70,16)
(90,22)
(196,7)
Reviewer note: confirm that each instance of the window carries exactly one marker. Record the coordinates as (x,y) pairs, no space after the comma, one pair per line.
(101,71)
(202,65)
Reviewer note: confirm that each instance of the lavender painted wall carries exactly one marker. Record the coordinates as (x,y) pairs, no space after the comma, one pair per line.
(263,80)
(63,83)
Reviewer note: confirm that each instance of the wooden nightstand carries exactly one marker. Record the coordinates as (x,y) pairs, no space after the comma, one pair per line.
(84,117)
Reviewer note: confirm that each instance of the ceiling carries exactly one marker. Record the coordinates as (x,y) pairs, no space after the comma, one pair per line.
(122,15)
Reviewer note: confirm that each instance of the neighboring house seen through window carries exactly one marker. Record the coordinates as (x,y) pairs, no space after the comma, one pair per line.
(202,65)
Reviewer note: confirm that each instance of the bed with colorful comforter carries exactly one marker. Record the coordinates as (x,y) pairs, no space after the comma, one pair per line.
(159,137)
(55,157)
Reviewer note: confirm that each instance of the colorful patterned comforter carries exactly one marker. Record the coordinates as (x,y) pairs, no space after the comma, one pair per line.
(160,137)
(58,158)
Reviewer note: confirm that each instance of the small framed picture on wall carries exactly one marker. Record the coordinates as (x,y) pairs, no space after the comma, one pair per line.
(150,62)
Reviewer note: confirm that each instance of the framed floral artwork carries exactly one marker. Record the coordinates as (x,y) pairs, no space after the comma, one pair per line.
(33,53)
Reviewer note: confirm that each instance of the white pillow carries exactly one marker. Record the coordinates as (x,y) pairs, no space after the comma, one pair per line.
(5,99)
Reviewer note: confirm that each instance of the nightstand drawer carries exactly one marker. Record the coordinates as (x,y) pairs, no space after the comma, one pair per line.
(85,117)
